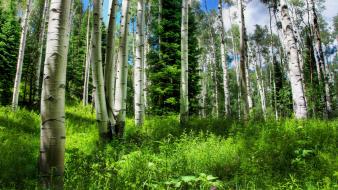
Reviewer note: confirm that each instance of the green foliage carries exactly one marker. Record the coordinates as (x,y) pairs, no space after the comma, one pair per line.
(165,60)
(9,48)
(204,154)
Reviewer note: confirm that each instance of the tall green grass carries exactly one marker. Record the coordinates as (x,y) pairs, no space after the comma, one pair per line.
(207,153)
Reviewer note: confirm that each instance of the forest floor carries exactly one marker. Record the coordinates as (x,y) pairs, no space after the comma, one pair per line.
(208,153)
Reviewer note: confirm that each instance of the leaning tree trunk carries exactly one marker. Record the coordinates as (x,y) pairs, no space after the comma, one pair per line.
(52,140)
(224,63)
(322,74)
(98,81)
(42,45)
(122,72)
(87,61)
(184,101)
(139,66)
(243,59)
(110,64)
(297,85)
(16,90)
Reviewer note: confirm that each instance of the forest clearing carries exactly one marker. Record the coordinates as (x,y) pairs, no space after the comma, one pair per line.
(159,94)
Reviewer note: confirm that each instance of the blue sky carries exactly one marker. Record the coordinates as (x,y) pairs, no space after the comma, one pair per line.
(256,12)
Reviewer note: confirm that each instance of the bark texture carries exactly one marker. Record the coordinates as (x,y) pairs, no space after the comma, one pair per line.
(122,72)
(224,63)
(98,80)
(110,63)
(16,90)
(184,101)
(52,141)
(243,59)
(139,66)
(297,85)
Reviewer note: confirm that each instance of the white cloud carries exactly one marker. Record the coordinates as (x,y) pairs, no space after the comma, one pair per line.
(257,13)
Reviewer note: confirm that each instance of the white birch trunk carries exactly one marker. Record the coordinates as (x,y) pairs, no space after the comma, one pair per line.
(224,63)
(16,90)
(110,64)
(98,80)
(87,61)
(243,59)
(322,73)
(184,101)
(52,140)
(42,45)
(139,66)
(298,96)
(122,72)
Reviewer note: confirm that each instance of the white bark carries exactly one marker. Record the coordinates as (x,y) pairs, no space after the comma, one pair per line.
(298,96)
(260,83)
(224,63)
(184,99)
(16,90)
(42,45)
(98,80)
(139,66)
(87,61)
(321,69)
(243,59)
(122,72)
(52,144)
(110,63)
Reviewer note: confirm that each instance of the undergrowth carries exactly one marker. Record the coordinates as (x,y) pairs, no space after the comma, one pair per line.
(204,154)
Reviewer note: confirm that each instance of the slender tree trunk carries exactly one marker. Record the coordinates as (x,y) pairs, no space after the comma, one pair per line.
(184,101)
(297,85)
(16,91)
(122,72)
(224,63)
(273,67)
(146,51)
(160,9)
(42,46)
(98,80)
(87,61)
(139,66)
(110,64)
(248,85)
(322,73)
(52,141)
(243,59)
(260,83)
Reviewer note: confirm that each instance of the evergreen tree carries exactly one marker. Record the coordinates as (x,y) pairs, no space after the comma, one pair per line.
(164,72)
(9,47)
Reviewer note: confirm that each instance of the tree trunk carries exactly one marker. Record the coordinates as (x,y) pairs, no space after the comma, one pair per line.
(41,45)
(297,85)
(52,141)
(16,90)
(322,73)
(184,102)
(87,61)
(122,72)
(98,81)
(224,63)
(110,64)
(139,66)
(146,51)
(260,82)
(243,59)
(160,9)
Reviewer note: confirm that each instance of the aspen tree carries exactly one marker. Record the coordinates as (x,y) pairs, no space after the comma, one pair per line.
(297,85)
(16,90)
(52,141)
